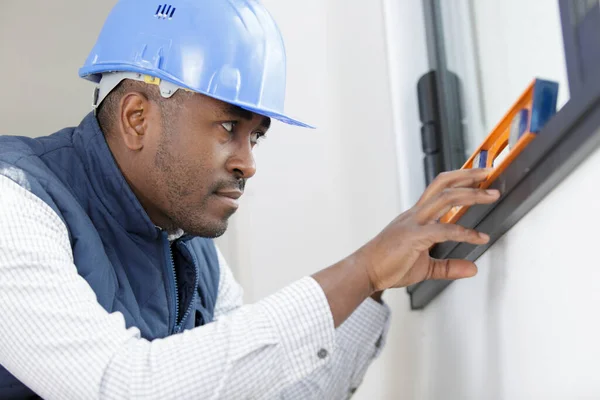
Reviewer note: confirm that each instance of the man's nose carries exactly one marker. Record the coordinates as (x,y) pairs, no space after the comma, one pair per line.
(241,164)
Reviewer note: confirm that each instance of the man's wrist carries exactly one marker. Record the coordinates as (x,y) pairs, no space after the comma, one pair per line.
(346,285)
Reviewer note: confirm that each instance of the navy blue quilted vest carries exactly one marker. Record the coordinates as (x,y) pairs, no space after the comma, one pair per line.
(160,288)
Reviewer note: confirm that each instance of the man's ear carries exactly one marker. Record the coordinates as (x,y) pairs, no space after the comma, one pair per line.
(134,120)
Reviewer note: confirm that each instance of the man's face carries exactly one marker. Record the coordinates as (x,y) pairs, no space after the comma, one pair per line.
(197,161)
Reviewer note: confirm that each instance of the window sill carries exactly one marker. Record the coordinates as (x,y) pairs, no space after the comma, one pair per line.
(568,138)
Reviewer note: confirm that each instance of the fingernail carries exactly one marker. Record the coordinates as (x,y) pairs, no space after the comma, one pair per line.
(484,236)
(493,192)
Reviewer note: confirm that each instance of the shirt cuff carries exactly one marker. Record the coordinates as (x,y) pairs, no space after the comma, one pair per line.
(302,316)
(367,326)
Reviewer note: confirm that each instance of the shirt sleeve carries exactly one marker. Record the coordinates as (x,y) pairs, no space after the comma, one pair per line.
(230,295)
(61,343)
(359,340)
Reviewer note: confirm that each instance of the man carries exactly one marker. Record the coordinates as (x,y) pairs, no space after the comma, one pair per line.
(110,285)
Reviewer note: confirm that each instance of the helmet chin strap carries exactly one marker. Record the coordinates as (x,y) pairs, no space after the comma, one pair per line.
(110,80)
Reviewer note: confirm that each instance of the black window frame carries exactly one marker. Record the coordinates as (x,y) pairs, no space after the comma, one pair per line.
(566,141)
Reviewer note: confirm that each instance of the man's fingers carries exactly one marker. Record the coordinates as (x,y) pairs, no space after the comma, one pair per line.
(439,233)
(439,205)
(461,178)
(451,269)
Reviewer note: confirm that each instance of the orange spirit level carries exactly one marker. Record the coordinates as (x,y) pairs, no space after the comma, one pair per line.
(514,132)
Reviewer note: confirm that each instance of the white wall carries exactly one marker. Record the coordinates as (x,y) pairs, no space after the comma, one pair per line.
(318,195)
(526,326)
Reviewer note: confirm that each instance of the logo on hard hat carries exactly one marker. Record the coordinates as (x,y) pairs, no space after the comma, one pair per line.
(165,11)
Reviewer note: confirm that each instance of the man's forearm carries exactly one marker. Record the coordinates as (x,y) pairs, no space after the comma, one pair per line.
(346,285)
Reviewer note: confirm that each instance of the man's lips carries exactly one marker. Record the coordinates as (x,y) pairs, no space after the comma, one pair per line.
(229,197)
(232,194)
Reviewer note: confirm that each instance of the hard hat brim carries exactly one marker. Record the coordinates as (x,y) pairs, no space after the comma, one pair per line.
(274,115)
(94,74)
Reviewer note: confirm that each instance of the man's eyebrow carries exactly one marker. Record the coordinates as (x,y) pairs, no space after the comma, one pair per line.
(234,111)
(238,112)
(265,123)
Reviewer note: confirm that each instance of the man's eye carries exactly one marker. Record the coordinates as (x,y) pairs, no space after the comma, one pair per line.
(256,137)
(229,126)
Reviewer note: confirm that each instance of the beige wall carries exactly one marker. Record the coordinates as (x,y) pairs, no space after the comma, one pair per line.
(42,46)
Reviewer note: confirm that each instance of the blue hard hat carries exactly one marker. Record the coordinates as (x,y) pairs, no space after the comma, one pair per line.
(231,50)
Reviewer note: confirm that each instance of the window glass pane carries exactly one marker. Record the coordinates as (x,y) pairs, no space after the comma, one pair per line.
(497,48)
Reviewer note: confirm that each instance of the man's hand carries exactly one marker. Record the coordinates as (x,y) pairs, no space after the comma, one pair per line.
(399,255)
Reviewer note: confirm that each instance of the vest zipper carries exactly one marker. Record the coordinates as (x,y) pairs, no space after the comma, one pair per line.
(179,327)
(175,298)
(176,289)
